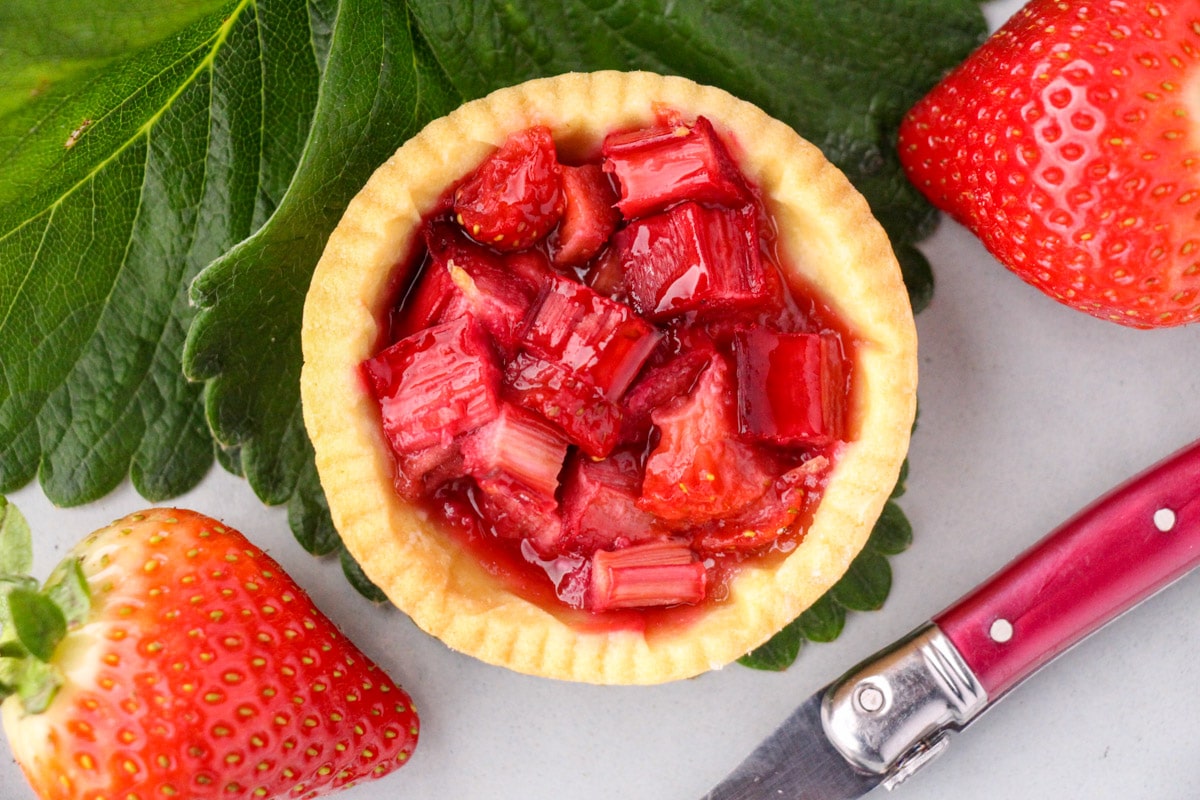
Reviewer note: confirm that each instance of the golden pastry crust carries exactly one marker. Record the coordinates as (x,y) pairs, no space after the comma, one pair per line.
(827,236)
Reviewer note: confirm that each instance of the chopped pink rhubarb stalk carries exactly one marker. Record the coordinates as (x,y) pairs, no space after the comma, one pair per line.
(590,216)
(790,386)
(434,385)
(563,398)
(599,505)
(513,511)
(659,166)
(481,283)
(658,573)
(597,339)
(531,268)
(700,470)
(693,258)
(605,274)
(519,446)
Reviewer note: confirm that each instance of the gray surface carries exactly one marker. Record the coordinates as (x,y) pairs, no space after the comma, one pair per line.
(1028,411)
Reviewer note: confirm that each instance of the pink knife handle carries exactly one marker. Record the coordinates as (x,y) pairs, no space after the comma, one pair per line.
(1113,554)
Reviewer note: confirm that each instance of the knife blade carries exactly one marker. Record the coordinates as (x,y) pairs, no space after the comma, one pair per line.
(894,712)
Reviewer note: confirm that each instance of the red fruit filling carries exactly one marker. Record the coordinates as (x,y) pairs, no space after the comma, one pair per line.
(613,397)
(693,258)
(791,388)
(590,216)
(670,163)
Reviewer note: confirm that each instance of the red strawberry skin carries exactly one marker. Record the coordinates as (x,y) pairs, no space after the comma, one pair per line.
(204,671)
(1067,144)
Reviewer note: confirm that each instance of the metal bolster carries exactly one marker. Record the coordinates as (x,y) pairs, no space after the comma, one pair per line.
(890,715)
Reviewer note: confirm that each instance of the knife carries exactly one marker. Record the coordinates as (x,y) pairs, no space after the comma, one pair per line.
(893,713)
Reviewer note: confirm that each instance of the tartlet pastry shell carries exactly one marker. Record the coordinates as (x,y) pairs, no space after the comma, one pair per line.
(827,236)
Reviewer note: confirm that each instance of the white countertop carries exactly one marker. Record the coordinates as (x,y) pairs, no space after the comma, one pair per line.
(1028,411)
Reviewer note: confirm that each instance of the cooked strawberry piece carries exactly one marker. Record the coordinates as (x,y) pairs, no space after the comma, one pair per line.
(659,385)
(774,514)
(693,258)
(790,386)
(517,445)
(659,166)
(657,573)
(570,402)
(515,196)
(699,470)
(599,505)
(590,216)
(434,385)
(597,339)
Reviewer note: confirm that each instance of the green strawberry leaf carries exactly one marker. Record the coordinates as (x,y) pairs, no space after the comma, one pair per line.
(823,621)
(68,589)
(378,89)
(16,541)
(39,624)
(137,181)
(69,44)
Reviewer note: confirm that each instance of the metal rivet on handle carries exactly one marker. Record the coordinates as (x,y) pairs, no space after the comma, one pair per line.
(870,698)
(1164,519)
(1001,631)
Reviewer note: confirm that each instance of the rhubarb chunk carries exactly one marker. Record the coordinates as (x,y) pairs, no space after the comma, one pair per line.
(590,216)
(790,386)
(568,401)
(515,196)
(515,461)
(599,506)
(700,470)
(657,167)
(579,353)
(516,446)
(510,510)
(597,339)
(434,385)
(693,258)
(463,277)
(658,573)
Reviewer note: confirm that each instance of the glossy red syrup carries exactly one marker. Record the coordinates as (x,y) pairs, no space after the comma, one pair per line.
(644,329)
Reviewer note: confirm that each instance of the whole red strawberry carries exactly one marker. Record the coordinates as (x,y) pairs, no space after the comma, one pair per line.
(167,657)
(1067,143)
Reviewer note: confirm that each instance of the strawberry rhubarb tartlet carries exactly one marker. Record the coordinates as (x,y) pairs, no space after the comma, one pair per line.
(608,376)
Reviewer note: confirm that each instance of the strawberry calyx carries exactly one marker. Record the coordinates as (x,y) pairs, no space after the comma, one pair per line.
(33,619)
